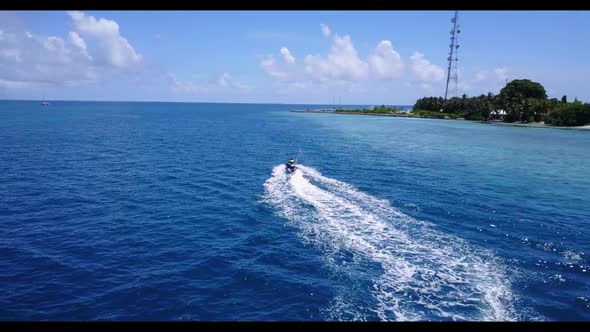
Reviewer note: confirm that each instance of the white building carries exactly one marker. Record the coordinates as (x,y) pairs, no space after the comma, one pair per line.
(497,114)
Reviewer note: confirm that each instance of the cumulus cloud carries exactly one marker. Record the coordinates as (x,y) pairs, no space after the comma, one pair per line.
(94,49)
(77,41)
(27,59)
(425,71)
(289,59)
(271,68)
(344,69)
(279,69)
(344,65)
(113,49)
(385,62)
(341,64)
(325,30)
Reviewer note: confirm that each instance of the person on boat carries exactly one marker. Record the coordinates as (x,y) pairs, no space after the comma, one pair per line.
(291,165)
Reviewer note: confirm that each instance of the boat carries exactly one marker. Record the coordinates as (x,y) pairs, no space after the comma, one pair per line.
(290,166)
(44,102)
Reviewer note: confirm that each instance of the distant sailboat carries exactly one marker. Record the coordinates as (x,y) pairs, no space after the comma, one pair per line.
(44,102)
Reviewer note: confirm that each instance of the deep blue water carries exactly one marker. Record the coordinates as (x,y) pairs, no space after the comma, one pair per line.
(171,211)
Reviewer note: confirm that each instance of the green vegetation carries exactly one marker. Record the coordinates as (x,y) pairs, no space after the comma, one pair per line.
(436,115)
(524,101)
(520,100)
(475,108)
(377,110)
(569,114)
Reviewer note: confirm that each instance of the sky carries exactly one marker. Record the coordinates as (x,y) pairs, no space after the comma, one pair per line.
(291,57)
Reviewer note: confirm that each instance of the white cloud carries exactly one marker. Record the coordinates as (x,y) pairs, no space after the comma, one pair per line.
(341,64)
(28,59)
(289,59)
(424,70)
(224,83)
(343,70)
(11,54)
(77,41)
(57,47)
(279,69)
(113,48)
(385,62)
(271,68)
(325,30)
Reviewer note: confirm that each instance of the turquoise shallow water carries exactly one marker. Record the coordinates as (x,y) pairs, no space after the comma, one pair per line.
(171,211)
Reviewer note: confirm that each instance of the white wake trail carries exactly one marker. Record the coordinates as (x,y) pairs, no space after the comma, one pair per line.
(423,274)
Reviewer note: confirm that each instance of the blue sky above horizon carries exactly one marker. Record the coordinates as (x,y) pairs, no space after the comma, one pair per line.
(357,57)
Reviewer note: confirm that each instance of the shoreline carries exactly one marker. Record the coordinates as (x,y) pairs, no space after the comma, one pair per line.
(409,115)
(401,115)
(534,125)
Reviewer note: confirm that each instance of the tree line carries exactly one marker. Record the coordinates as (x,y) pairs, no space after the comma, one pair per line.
(376,110)
(519,101)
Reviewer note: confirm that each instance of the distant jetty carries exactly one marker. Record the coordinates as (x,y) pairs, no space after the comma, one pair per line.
(411,115)
(368,112)
(535,125)
(316,111)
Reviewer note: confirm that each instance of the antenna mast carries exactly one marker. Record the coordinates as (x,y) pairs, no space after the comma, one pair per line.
(453,54)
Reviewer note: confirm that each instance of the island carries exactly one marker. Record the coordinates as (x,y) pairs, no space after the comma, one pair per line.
(521,102)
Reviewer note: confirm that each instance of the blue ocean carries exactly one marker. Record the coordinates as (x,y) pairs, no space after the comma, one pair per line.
(183,211)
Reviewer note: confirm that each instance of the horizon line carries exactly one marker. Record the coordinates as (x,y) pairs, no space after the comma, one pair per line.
(190,102)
